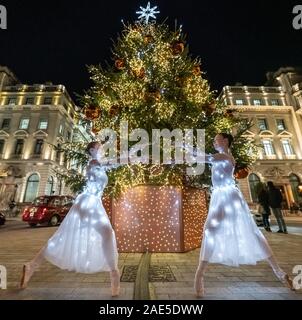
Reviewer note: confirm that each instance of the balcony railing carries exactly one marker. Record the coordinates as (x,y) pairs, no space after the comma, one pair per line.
(270,157)
(36,156)
(34,88)
(17,156)
(243,89)
(290,156)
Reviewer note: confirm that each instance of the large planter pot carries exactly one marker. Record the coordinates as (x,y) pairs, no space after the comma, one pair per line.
(158,218)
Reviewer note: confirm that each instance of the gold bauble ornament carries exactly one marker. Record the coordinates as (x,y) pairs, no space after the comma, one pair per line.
(119,64)
(177,47)
(92,112)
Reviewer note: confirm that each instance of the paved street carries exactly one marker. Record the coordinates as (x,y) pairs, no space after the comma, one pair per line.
(170,275)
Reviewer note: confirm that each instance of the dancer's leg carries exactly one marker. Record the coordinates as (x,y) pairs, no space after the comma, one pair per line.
(198,282)
(280,274)
(108,243)
(30,267)
(206,252)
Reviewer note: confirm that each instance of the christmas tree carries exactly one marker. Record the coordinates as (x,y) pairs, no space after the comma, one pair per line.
(153,82)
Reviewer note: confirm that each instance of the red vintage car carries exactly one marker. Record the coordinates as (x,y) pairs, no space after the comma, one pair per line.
(49,210)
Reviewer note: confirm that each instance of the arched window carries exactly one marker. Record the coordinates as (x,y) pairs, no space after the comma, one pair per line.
(294,182)
(254,181)
(32,186)
(49,186)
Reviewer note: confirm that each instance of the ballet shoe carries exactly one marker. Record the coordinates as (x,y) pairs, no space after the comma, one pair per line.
(115,283)
(287,281)
(27,273)
(199,286)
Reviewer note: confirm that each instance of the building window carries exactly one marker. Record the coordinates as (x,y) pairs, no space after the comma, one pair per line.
(268,147)
(12,100)
(262,124)
(254,181)
(5,124)
(256,102)
(2,142)
(49,186)
(65,160)
(295,182)
(275,102)
(239,102)
(43,124)
(68,135)
(47,100)
(29,100)
(38,146)
(61,129)
(58,153)
(19,146)
(32,186)
(24,123)
(280,124)
(287,147)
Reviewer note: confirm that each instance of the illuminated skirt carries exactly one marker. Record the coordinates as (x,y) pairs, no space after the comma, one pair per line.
(231,236)
(81,242)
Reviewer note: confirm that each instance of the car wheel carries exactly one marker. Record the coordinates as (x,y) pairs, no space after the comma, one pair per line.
(54,220)
(33,224)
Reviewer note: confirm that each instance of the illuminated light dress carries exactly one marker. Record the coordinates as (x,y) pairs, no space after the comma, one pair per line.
(231,236)
(85,241)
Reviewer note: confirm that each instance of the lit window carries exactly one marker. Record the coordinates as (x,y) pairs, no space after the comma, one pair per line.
(24,123)
(262,124)
(239,102)
(47,100)
(2,142)
(32,186)
(68,135)
(287,147)
(280,124)
(5,124)
(43,124)
(29,100)
(12,100)
(257,102)
(38,146)
(268,147)
(19,146)
(61,129)
(275,102)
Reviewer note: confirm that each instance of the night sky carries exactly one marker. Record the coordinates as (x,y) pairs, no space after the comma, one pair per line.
(236,41)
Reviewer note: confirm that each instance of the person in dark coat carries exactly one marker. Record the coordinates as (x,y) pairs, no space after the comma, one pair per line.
(263,200)
(275,200)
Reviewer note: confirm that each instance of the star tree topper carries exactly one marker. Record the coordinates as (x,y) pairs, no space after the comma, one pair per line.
(147,13)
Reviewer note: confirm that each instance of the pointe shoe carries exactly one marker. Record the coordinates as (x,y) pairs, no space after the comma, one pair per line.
(115,283)
(287,281)
(27,273)
(199,286)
